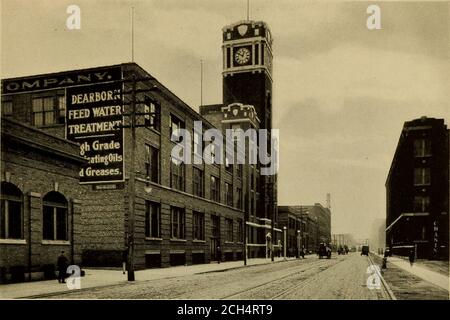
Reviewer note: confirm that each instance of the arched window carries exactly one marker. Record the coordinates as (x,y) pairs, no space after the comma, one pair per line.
(55,216)
(11,217)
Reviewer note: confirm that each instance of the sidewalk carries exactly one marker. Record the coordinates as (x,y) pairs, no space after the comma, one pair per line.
(421,270)
(101,277)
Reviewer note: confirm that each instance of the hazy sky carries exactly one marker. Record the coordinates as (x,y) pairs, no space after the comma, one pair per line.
(341,92)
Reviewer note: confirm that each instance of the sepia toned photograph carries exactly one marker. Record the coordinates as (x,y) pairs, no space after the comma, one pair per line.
(240,150)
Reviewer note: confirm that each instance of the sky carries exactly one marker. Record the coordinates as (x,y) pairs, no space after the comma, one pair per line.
(341,92)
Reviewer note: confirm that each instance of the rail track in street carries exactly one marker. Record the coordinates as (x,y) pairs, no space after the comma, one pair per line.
(302,274)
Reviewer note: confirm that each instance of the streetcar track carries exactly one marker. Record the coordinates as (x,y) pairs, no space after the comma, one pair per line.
(386,287)
(301,284)
(321,269)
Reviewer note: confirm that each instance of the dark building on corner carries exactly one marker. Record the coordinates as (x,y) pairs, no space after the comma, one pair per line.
(417,191)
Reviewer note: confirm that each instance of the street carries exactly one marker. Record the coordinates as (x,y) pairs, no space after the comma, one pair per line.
(341,277)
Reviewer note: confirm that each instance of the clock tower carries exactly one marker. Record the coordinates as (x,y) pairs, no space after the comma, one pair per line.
(247,79)
(247,67)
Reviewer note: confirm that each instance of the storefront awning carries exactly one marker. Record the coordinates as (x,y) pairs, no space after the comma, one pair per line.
(412,214)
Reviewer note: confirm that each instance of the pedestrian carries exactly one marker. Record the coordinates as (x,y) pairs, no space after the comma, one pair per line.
(411,257)
(62,264)
(219,254)
(124,260)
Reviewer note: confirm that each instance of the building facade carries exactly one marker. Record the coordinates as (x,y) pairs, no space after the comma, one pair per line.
(306,226)
(247,80)
(417,191)
(171,213)
(40,201)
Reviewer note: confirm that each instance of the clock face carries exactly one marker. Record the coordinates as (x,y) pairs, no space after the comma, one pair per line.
(242,56)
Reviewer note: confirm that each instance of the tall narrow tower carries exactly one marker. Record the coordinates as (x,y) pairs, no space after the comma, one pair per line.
(247,67)
(247,79)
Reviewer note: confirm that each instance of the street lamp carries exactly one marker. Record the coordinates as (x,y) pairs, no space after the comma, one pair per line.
(284,242)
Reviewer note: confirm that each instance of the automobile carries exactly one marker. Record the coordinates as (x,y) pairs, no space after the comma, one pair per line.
(324,251)
(365,250)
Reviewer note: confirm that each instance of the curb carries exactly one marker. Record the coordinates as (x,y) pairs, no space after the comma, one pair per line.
(57,293)
(385,284)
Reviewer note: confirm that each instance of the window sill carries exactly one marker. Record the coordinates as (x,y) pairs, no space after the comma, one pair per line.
(178,240)
(55,242)
(13,241)
(153,239)
(229,242)
(199,241)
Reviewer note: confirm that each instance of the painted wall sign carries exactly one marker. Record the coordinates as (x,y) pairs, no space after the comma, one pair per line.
(94,117)
(61,80)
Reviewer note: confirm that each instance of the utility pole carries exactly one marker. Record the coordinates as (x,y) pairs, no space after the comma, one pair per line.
(131,181)
(272,222)
(245,236)
(201,82)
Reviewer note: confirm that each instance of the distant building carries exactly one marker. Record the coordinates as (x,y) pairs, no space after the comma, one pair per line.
(417,190)
(306,226)
(342,239)
(377,236)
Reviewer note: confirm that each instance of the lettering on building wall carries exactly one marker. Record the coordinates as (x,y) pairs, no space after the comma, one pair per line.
(94,119)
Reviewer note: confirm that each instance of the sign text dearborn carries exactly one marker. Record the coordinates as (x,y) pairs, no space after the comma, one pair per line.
(94,120)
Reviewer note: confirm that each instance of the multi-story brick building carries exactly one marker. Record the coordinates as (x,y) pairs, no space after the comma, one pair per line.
(181,212)
(306,225)
(417,190)
(247,80)
(40,200)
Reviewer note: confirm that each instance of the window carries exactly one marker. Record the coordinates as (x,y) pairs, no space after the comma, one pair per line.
(55,216)
(152,163)
(240,231)
(7,108)
(48,110)
(152,219)
(177,219)
(229,194)
(215,226)
(422,148)
(215,189)
(11,218)
(198,144)
(175,124)
(421,203)
(198,187)
(213,153)
(153,110)
(422,176)
(239,170)
(177,174)
(198,226)
(228,165)
(229,228)
(239,198)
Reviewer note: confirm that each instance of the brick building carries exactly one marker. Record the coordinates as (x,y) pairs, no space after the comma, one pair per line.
(417,191)
(306,226)
(40,201)
(247,80)
(182,212)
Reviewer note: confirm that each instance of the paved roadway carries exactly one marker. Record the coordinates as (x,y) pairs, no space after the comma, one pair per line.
(341,277)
